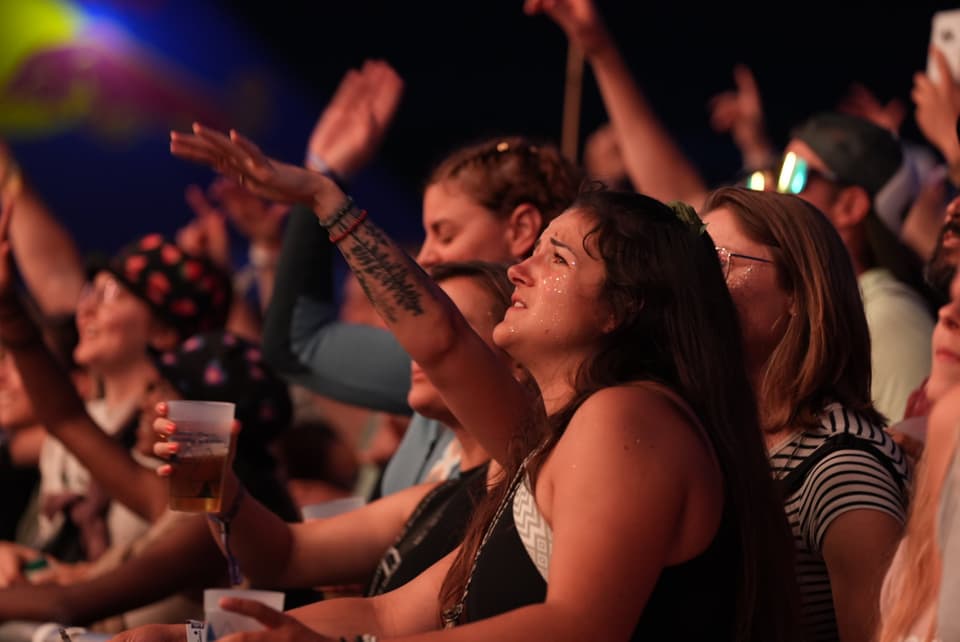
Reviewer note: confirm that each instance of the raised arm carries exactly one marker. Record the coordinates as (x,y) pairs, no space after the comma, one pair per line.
(47,256)
(423,319)
(344,549)
(183,557)
(656,165)
(739,112)
(938,107)
(302,339)
(59,408)
(207,235)
(261,223)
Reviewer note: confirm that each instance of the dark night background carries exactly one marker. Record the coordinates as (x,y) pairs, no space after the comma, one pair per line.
(471,70)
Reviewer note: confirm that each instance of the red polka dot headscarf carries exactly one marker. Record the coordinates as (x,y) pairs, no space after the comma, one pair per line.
(188,292)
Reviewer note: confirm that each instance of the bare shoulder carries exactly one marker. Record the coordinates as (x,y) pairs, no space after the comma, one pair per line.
(638,411)
(633,422)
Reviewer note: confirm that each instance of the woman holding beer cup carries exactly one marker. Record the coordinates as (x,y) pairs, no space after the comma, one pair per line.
(642,467)
(396,537)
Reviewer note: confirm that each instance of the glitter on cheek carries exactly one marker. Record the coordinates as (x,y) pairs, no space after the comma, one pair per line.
(740,278)
(552,301)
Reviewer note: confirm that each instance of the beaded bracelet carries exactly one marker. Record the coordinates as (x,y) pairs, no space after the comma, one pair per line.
(347,207)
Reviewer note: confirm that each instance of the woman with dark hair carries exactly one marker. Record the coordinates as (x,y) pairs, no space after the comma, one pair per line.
(807,351)
(641,469)
(487,202)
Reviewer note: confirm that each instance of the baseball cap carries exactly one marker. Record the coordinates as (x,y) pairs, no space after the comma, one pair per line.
(858,152)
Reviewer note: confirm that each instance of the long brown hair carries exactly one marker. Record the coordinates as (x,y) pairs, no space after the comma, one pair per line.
(676,325)
(503,173)
(824,355)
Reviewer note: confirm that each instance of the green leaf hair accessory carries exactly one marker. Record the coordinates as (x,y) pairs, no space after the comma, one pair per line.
(688,215)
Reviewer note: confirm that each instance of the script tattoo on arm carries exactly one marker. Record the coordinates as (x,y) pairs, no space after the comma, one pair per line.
(389,278)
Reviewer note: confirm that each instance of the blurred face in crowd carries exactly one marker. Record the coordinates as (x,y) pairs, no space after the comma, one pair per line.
(16,410)
(946,255)
(477,305)
(945,369)
(113,324)
(762,303)
(459,229)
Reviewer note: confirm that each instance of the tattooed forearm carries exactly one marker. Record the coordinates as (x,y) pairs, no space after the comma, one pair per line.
(380,260)
(389,278)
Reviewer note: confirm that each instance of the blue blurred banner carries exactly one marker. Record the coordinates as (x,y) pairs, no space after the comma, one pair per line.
(90,90)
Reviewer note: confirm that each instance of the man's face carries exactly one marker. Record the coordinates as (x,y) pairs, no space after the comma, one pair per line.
(946,255)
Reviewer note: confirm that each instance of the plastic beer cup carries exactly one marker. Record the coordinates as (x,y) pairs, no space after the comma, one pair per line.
(203,432)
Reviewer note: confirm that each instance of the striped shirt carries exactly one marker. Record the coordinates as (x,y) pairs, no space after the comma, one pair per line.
(844,464)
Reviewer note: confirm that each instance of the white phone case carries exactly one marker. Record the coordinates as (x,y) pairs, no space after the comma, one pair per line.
(945,36)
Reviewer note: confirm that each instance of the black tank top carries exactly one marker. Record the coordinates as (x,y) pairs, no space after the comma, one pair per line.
(435,528)
(692,601)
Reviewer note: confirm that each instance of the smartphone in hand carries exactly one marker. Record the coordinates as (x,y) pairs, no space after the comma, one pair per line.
(945,36)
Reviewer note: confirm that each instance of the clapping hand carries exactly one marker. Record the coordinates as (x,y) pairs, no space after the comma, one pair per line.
(351,128)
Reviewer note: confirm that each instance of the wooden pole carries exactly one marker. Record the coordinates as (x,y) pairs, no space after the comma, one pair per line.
(572,97)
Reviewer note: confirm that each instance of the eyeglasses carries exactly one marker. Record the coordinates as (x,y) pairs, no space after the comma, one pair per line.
(795,174)
(726,258)
(107,291)
(759,180)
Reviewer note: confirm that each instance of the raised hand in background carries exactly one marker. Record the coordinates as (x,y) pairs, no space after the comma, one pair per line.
(579,19)
(206,235)
(257,219)
(938,107)
(654,162)
(739,112)
(351,128)
(47,256)
(860,101)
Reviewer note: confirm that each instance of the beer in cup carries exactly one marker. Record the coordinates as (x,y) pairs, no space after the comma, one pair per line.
(203,432)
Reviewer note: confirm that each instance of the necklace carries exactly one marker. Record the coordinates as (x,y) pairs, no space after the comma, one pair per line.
(452,615)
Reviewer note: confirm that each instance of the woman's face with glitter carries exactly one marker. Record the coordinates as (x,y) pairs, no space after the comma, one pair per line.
(557,308)
(762,303)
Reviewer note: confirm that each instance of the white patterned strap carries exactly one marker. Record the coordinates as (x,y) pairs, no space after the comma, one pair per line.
(534,531)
